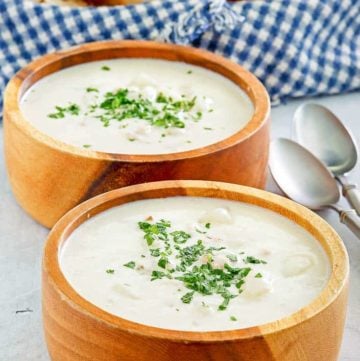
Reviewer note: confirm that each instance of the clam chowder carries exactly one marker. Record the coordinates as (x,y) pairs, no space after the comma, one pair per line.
(195,264)
(137,106)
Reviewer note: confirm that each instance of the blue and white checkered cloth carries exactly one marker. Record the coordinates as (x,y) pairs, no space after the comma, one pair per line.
(295,47)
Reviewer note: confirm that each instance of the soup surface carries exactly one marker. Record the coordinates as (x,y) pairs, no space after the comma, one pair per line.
(137,106)
(196,264)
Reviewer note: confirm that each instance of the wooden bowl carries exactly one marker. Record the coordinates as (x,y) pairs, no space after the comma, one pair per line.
(49,177)
(76,330)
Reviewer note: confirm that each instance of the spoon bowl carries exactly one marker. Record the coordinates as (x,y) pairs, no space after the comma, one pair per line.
(321,131)
(301,176)
(306,180)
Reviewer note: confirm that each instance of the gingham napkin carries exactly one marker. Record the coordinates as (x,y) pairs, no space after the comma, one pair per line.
(295,47)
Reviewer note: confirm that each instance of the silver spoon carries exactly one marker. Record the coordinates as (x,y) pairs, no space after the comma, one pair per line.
(306,180)
(321,131)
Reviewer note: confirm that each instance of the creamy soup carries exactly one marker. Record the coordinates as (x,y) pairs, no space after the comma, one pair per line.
(197,264)
(137,106)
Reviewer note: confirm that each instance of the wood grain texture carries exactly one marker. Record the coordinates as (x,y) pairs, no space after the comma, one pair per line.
(76,330)
(49,177)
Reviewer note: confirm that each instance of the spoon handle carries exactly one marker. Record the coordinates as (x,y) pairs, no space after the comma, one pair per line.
(350,219)
(353,196)
(351,192)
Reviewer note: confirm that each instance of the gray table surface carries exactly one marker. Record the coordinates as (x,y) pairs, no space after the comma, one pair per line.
(22,240)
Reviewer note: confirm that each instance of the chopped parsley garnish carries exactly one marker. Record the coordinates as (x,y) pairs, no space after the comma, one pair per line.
(105,68)
(86,145)
(154,231)
(130,264)
(180,236)
(253,260)
(155,252)
(189,72)
(110,271)
(72,109)
(156,275)
(200,231)
(187,298)
(164,111)
(192,263)
(233,318)
(232,257)
(163,262)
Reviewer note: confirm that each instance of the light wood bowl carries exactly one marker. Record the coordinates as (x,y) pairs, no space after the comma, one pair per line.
(49,177)
(76,330)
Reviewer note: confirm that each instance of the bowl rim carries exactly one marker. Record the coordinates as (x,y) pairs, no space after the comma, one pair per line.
(319,228)
(53,62)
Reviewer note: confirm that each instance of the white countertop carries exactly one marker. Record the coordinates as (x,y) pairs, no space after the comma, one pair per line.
(22,239)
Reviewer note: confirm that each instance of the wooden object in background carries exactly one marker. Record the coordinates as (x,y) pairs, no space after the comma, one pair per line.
(113,2)
(76,330)
(49,177)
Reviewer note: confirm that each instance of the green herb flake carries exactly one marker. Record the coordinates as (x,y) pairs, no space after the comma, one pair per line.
(226,299)
(72,109)
(155,252)
(258,275)
(164,112)
(189,72)
(92,90)
(232,257)
(163,261)
(130,264)
(154,231)
(86,145)
(187,298)
(233,318)
(180,236)
(110,271)
(105,68)
(156,275)
(198,277)
(253,260)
